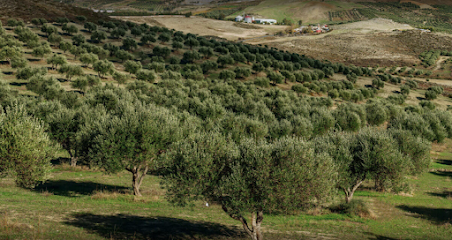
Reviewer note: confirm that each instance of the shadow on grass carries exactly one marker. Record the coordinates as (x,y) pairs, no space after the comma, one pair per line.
(435,215)
(122,226)
(421,98)
(444,194)
(379,237)
(74,189)
(444,162)
(442,174)
(17,84)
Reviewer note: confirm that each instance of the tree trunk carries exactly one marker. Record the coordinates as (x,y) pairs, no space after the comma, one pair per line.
(74,161)
(137,178)
(255,232)
(73,158)
(349,192)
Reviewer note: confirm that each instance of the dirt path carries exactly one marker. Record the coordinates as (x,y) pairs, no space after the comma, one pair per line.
(439,62)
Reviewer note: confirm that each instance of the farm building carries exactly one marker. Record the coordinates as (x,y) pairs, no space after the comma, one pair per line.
(238,18)
(248,19)
(266,21)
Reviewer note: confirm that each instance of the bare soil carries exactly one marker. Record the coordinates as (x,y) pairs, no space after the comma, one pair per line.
(367,43)
(207,27)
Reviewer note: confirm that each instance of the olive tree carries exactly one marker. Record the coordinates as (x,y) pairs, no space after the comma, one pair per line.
(132,67)
(103,67)
(63,126)
(130,141)
(249,177)
(56,60)
(25,148)
(88,58)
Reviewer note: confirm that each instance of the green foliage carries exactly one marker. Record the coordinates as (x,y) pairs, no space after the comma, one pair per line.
(28,72)
(103,67)
(78,39)
(120,77)
(211,167)
(146,75)
(25,149)
(88,58)
(71,71)
(84,82)
(131,141)
(132,67)
(227,74)
(98,36)
(48,87)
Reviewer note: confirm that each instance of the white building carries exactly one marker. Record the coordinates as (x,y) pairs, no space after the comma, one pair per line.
(266,21)
(238,18)
(248,19)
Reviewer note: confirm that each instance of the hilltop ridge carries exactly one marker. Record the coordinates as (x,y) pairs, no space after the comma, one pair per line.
(29,9)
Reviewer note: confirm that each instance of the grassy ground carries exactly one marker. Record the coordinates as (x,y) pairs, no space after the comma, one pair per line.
(78,203)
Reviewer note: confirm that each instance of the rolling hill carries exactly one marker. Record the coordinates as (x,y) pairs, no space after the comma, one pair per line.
(49,9)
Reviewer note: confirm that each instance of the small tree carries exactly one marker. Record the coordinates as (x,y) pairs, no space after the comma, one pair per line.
(164,37)
(57,60)
(146,75)
(19,62)
(123,55)
(227,74)
(129,44)
(378,83)
(42,50)
(120,78)
(117,33)
(71,71)
(54,38)
(88,58)
(147,39)
(224,60)
(69,29)
(25,149)
(65,46)
(48,29)
(191,42)
(76,51)
(63,127)
(90,26)
(103,67)
(81,18)
(98,36)
(132,67)
(275,77)
(191,56)
(78,39)
(8,53)
(62,20)
(136,31)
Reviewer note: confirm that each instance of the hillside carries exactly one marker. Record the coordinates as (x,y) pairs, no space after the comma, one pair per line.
(49,9)
(179,86)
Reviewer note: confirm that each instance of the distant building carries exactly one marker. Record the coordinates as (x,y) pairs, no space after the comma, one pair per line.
(248,19)
(238,18)
(266,21)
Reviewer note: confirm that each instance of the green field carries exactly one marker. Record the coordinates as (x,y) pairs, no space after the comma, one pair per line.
(86,204)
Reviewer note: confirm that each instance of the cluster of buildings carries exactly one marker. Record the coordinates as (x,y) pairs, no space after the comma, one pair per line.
(320,28)
(251,19)
(102,10)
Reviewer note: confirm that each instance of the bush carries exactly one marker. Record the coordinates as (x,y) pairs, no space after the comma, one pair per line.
(262,82)
(353,208)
